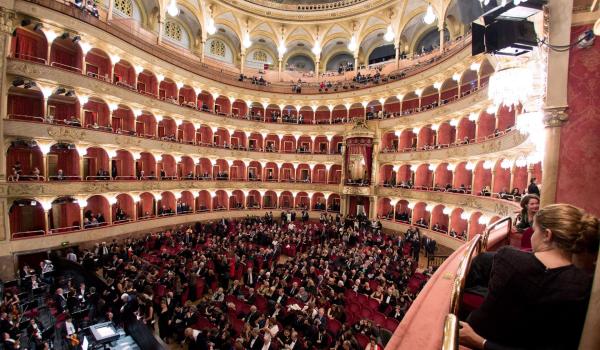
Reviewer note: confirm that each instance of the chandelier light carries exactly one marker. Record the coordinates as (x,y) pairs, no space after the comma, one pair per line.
(281,49)
(389,34)
(210,26)
(470,166)
(511,86)
(316,49)
(172,9)
(521,162)
(247,42)
(352,44)
(429,15)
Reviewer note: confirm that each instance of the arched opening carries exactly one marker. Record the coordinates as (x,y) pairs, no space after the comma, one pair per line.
(420,215)
(96,115)
(64,215)
(187,97)
(95,164)
(271,172)
(168,168)
(443,177)
(29,45)
(145,125)
(389,142)
(220,200)
(255,171)
(270,200)
(24,161)
(205,169)
(302,201)
(446,134)
(27,218)
(385,210)
(423,177)
(63,107)
(186,168)
(186,133)
(145,166)
(318,174)
(335,174)
(25,102)
(286,200)
(123,121)
(439,219)
(318,201)
(146,206)
(124,74)
(66,54)
(238,140)
(147,83)
(501,178)
(167,90)
(222,106)
(304,144)
(167,129)
(483,178)
(124,209)
(387,176)
(237,171)
(221,170)
(204,201)
(236,200)
(403,212)
(96,212)
(462,178)
(167,204)
(97,64)
(407,141)
(333,203)
(253,200)
(63,162)
(466,131)
(185,204)
(459,224)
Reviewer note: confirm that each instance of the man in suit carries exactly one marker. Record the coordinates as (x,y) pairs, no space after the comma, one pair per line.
(60,301)
(533,188)
(293,290)
(197,339)
(257,341)
(252,316)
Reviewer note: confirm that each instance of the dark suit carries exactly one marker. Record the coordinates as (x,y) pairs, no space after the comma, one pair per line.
(247,281)
(258,343)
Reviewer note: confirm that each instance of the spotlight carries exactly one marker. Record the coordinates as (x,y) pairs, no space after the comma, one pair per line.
(76,39)
(37,26)
(70,93)
(18,82)
(29,84)
(64,35)
(26,22)
(60,91)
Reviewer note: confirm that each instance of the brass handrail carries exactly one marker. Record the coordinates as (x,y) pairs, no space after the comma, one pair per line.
(450,337)
(473,248)
(486,234)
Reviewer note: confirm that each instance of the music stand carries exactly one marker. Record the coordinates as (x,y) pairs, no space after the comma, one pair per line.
(104,333)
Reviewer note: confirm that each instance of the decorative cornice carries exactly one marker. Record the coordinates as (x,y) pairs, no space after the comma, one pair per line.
(513,143)
(83,188)
(93,138)
(499,207)
(555,116)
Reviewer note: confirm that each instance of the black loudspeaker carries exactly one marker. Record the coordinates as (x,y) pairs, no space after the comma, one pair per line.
(504,37)
(510,37)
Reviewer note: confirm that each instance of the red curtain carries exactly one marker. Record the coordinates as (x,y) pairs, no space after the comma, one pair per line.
(27,44)
(25,105)
(26,218)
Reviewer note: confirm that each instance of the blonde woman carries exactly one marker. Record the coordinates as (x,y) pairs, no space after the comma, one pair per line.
(537,300)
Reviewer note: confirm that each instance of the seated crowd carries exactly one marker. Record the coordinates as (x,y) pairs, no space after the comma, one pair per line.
(258,284)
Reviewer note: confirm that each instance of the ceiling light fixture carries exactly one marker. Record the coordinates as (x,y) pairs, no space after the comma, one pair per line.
(210,27)
(172,9)
(429,15)
(389,34)
(352,44)
(247,42)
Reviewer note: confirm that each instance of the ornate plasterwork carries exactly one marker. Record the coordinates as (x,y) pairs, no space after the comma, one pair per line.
(91,138)
(499,207)
(57,189)
(556,116)
(512,144)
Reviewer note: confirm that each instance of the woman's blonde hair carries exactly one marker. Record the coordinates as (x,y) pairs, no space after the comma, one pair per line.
(573,230)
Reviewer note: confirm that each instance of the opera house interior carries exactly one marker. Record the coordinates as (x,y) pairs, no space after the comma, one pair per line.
(299,174)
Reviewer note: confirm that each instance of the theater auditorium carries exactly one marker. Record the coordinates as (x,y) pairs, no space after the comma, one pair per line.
(299,174)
